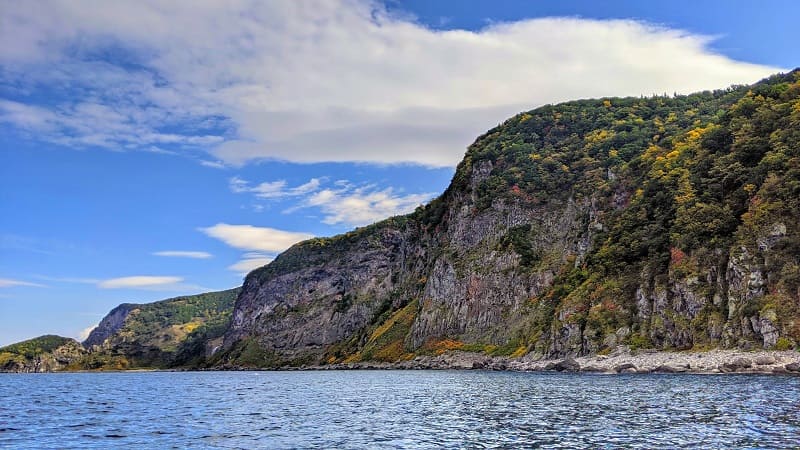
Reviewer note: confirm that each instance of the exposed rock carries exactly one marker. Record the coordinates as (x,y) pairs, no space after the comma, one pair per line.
(736,364)
(765,360)
(568,364)
(625,368)
(665,368)
(793,367)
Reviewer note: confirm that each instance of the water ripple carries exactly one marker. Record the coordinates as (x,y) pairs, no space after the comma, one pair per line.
(397,409)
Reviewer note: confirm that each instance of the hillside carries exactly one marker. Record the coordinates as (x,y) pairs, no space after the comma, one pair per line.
(46,353)
(663,222)
(173,332)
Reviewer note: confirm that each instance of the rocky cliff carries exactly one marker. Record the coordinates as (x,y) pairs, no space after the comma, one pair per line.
(661,222)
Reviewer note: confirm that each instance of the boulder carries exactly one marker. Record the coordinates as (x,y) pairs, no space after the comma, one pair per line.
(736,364)
(765,360)
(568,364)
(793,367)
(666,368)
(625,368)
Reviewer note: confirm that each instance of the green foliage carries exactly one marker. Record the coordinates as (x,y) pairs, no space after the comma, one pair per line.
(168,333)
(783,344)
(37,346)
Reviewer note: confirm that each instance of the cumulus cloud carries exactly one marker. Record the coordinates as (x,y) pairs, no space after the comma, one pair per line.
(183,254)
(140,282)
(8,282)
(252,238)
(341,80)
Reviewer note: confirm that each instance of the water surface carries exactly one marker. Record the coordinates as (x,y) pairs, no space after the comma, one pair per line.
(396,409)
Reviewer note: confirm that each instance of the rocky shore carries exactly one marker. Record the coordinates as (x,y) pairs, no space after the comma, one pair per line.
(621,361)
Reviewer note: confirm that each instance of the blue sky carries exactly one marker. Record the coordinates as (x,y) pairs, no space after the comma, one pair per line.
(155,149)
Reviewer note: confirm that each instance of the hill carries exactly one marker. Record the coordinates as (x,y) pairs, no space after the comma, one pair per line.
(46,353)
(169,333)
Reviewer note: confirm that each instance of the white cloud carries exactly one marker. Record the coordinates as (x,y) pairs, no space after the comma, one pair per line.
(273,189)
(342,80)
(213,164)
(84,334)
(364,205)
(259,239)
(140,282)
(68,279)
(8,282)
(248,264)
(184,254)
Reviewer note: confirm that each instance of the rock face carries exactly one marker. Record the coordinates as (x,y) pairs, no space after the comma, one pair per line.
(109,326)
(568,230)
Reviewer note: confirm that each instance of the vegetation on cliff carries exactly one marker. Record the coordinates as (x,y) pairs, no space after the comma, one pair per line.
(680,216)
(169,333)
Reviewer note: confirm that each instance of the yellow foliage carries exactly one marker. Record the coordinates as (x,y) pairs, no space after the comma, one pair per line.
(607,103)
(403,316)
(613,153)
(599,136)
(519,352)
(191,326)
(535,156)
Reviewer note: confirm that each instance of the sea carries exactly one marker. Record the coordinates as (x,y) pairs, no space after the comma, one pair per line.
(362,409)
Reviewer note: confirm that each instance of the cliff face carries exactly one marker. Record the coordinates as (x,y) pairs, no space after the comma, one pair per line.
(111,323)
(666,223)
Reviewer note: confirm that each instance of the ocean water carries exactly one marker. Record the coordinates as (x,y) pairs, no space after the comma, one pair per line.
(397,409)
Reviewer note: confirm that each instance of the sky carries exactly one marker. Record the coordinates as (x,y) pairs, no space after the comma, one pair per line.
(154,149)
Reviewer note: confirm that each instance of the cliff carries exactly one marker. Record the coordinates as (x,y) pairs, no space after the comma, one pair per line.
(665,222)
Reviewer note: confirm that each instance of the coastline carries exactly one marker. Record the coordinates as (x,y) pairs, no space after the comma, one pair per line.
(622,361)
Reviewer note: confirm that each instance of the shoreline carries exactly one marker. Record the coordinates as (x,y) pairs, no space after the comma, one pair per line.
(623,361)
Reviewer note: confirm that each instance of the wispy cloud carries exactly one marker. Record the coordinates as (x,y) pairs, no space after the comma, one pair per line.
(342,81)
(184,254)
(363,205)
(249,263)
(261,243)
(213,164)
(252,238)
(8,282)
(78,280)
(139,282)
(273,189)
(83,334)
(341,203)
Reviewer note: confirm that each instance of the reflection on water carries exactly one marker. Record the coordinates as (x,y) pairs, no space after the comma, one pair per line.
(396,409)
